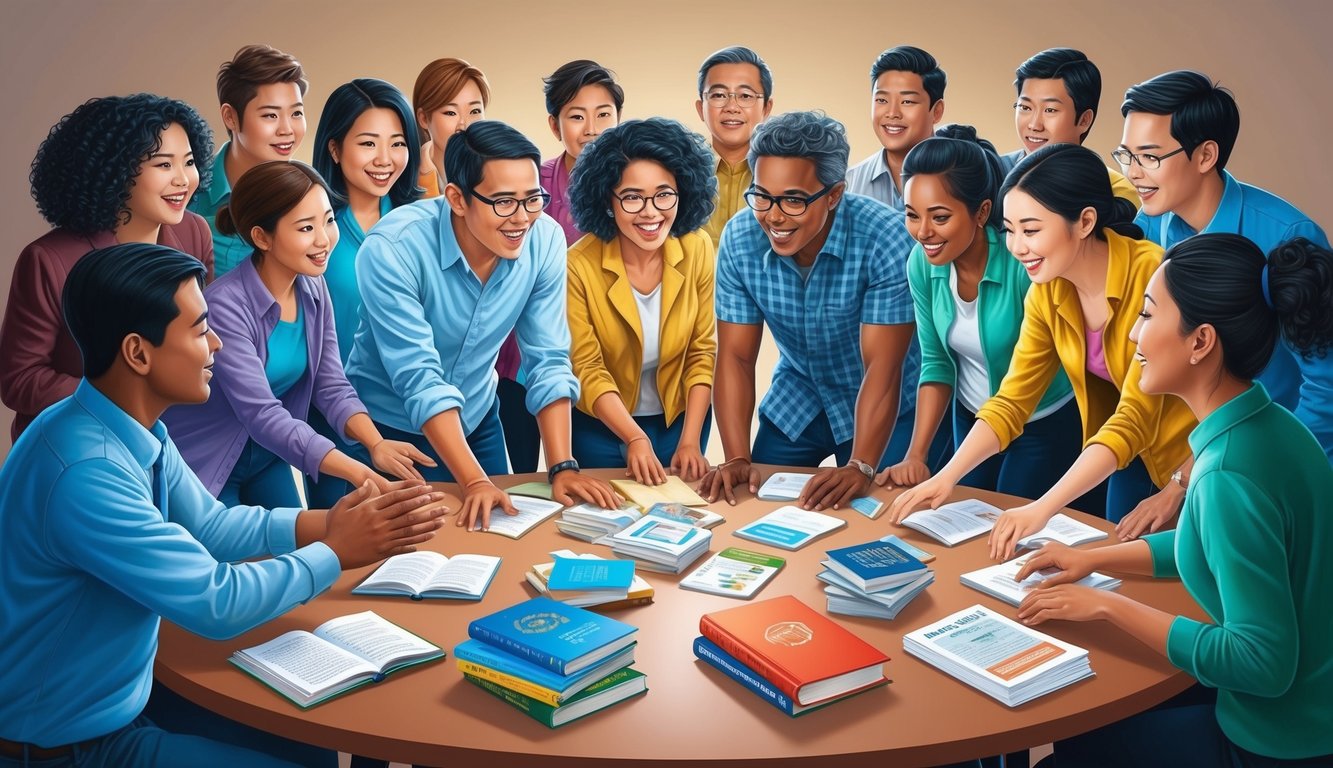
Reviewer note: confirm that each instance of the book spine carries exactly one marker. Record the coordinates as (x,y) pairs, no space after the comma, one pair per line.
(510,682)
(723,662)
(617,605)
(761,666)
(538,711)
(509,645)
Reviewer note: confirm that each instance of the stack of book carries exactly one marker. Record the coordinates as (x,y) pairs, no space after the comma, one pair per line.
(589,522)
(639,592)
(660,543)
(998,656)
(552,661)
(788,654)
(875,579)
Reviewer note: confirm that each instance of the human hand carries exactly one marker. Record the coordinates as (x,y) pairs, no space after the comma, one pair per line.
(719,481)
(833,488)
(931,493)
(1069,602)
(641,462)
(569,486)
(479,498)
(1013,525)
(1073,564)
(688,462)
(396,457)
(904,474)
(1152,514)
(366,526)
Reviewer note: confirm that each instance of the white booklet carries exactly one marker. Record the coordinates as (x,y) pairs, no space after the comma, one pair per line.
(783,486)
(734,572)
(430,574)
(956,522)
(789,527)
(1064,529)
(997,655)
(998,580)
(669,543)
(341,654)
(531,512)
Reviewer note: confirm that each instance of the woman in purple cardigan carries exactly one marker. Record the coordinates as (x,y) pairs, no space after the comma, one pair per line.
(119,169)
(279,353)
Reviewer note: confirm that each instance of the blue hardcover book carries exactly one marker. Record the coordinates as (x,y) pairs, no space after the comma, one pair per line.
(708,651)
(551,634)
(479,659)
(874,565)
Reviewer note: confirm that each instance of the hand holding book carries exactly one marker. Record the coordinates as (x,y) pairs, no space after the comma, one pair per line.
(1014,524)
(1073,564)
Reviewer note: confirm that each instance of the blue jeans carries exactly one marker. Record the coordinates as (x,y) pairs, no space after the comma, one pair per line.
(326,492)
(816,443)
(522,439)
(594,445)
(260,478)
(487,442)
(1126,488)
(1033,462)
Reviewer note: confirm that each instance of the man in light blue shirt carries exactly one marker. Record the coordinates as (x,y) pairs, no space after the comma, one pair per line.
(443,282)
(106,530)
(1179,132)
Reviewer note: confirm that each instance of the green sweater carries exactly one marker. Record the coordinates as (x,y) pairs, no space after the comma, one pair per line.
(1254,547)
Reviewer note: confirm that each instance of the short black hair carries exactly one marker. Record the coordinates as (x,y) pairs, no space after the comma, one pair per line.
(565,83)
(84,169)
(126,288)
(738,54)
(344,106)
(602,163)
(467,152)
(1065,179)
(909,58)
(1082,79)
(967,164)
(1200,110)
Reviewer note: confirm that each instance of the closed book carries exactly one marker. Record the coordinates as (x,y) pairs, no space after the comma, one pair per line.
(803,653)
(708,651)
(612,689)
(548,633)
(481,660)
(577,574)
(874,565)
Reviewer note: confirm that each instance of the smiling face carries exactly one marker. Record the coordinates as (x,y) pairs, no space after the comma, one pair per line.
(1042,240)
(900,111)
(642,183)
(730,124)
(1178,180)
(940,221)
(500,236)
(1045,114)
(166,180)
(181,367)
(303,238)
(794,236)
(584,117)
(271,127)
(1163,353)
(372,155)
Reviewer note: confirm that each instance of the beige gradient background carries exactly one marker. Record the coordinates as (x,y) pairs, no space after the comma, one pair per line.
(1275,56)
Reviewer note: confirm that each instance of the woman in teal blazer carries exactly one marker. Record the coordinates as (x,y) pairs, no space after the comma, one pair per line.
(968,291)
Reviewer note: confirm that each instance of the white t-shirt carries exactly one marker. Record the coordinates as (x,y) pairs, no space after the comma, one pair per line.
(650,319)
(972,387)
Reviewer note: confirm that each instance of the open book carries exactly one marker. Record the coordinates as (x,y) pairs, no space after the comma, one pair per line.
(431,574)
(955,523)
(530,513)
(340,655)
(673,490)
(998,580)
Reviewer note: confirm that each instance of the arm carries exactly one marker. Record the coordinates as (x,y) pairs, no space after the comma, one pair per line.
(738,349)
(543,330)
(689,461)
(569,486)
(932,403)
(980,444)
(29,381)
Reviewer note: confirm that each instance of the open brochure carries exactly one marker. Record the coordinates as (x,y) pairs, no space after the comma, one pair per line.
(1064,529)
(783,486)
(998,580)
(531,512)
(956,522)
(341,654)
(430,574)
(734,572)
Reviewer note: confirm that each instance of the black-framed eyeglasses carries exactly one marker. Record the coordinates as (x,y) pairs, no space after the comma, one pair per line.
(792,205)
(1146,160)
(744,99)
(505,207)
(633,202)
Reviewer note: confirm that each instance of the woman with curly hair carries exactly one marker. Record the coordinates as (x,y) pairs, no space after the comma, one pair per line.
(641,300)
(118,169)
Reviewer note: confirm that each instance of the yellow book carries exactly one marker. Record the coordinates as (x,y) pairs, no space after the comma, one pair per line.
(673,490)
(518,684)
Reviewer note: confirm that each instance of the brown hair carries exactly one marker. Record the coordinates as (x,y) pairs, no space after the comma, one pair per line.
(440,81)
(253,66)
(263,195)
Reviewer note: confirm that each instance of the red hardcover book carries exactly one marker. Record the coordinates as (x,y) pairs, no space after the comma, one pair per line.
(800,651)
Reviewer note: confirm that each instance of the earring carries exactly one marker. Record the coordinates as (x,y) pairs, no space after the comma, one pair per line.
(1194,361)
(610,214)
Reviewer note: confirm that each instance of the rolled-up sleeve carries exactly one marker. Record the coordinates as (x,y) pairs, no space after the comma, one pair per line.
(543,328)
(1134,424)
(734,303)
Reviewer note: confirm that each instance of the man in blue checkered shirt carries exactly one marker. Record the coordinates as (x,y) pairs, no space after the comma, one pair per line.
(827,272)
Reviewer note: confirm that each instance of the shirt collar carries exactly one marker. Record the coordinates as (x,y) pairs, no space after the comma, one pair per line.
(1225,219)
(880,166)
(731,169)
(219,189)
(348,226)
(257,294)
(1231,413)
(144,445)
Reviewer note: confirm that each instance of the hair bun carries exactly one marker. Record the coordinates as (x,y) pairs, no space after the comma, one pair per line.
(223,221)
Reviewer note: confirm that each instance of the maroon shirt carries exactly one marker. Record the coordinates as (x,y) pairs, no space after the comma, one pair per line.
(39,362)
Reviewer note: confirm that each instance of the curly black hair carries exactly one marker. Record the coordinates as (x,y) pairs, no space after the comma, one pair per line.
(681,151)
(84,169)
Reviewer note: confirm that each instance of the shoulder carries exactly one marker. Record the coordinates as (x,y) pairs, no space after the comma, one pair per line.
(192,235)
(1144,256)
(585,255)
(1270,208)
(873,226)
(415,220)
(546,239)
(58,247)
(865,169)
(66,434)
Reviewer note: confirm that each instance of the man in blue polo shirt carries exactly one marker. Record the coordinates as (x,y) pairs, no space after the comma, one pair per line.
(443,282)
(106,531)
(1179,132)
(826,271)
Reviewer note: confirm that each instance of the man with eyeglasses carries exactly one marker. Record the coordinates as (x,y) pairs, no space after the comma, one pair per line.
(826,272)
(735,95)
(906,103)
(1179,132)
(443,282)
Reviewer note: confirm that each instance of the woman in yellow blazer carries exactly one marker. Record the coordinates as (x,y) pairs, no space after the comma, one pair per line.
(641,300)
(1089,271)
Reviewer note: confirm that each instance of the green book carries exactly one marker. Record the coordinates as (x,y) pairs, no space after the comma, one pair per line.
(537,490)
(620,685)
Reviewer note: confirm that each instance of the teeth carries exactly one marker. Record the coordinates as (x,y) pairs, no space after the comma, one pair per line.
(175,198)
(895,129)
(651,227)
(379,176)
(1145,190)
(932,247)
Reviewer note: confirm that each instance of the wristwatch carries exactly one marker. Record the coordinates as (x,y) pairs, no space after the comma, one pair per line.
(865,468)
(569,464)
(1178,477)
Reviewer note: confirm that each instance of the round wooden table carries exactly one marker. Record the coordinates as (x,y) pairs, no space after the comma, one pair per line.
(692,713)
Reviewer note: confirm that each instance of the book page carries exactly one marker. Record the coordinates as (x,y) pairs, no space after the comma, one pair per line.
(956,522)
(531,512)
(783,486)
(373,638)
(465,573)
(673,490)
(1064,529)
(411,570)
(309,663)
(790,527)
(998,647)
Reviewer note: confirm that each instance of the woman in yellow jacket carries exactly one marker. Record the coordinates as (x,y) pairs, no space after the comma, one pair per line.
(641,300)
(1089,271)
